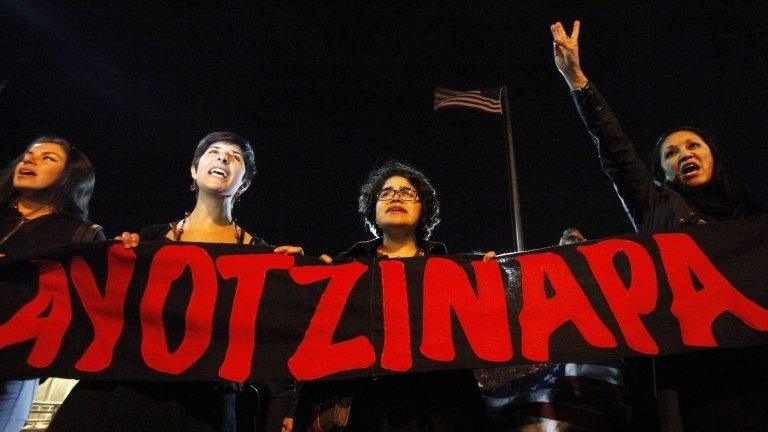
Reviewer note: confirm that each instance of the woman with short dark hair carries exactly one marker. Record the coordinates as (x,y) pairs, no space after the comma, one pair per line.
(400,206)
(222,169)
(44,196)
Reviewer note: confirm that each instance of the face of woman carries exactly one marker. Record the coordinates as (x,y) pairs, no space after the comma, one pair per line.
(687,159)
(398,211)
(40,168)
(221,170)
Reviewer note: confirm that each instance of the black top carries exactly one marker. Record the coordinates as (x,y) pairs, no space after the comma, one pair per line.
(160,231)
(368,249)
(153,406)
(444,400)
(18,235)
(650,206)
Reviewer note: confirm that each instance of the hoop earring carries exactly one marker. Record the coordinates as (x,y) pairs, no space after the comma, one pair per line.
(193,186)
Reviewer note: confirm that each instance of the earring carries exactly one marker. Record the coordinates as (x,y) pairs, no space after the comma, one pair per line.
(193,186)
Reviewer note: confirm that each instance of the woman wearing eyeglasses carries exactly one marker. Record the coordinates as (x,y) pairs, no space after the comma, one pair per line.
(400,206)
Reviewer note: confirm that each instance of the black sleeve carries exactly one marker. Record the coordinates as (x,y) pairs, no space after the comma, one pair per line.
(154,232)
(631,178)
(99,234)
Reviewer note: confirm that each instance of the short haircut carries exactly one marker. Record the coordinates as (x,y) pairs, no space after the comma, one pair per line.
(228,138)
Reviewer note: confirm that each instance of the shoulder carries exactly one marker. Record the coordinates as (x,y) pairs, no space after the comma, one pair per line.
(78,230)
(360,249)
(256,241)
(433,248)
(154,232)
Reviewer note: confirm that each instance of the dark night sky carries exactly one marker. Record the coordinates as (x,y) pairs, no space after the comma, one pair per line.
(328,92)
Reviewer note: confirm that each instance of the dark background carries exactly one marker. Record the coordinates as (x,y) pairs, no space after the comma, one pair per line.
(328,92)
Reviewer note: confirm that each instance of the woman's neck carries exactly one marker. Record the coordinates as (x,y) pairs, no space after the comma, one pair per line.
(399,245)
(31,207)
(210,210)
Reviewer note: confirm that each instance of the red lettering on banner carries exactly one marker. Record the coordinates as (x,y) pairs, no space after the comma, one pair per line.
(396,353)
(317,355)
(482,314)
(251,273)
(696,309)
(105,312)
(626,302)
(168,264)
(541,316)
(32,322)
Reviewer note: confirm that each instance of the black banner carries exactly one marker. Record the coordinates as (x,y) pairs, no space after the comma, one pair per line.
(187,311)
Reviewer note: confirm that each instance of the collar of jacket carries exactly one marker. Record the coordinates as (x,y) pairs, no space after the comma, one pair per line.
(368,248)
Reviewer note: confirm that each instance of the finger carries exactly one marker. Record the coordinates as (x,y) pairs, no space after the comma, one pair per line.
(561,34)
(489,256)
(575,32)
(553,29)
(125,238)
(325,259)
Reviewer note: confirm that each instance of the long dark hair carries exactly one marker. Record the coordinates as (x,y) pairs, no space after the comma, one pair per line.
(725,196)
(71,192)
(430,206)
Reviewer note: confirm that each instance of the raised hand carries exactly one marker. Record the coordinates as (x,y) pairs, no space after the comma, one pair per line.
(566,50)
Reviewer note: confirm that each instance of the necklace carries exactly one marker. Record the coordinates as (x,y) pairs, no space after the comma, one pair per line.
(179,229)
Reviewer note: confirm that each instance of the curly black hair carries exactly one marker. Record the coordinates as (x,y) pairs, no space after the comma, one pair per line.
(430,206)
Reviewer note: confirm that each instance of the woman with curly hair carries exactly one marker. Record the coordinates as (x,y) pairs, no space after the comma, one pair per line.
(400,206)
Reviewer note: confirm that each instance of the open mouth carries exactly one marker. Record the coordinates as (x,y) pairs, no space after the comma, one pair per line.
(26,173)
(218,172)
(689,169)
(396,209)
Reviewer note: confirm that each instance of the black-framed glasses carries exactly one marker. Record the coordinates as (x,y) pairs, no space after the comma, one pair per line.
(405,194)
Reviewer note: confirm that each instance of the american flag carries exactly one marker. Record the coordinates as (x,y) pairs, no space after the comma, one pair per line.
(485,100)
(558,397)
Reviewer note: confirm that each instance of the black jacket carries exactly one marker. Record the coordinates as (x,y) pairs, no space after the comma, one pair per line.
(649,205)
(368,249)
(443,400)
(46,231)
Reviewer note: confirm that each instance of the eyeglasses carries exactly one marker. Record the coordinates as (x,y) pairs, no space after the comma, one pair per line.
(405,194)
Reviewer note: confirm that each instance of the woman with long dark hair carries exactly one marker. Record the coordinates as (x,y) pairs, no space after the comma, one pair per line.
(689,183)
(44,195)
(223,167)
(400,207)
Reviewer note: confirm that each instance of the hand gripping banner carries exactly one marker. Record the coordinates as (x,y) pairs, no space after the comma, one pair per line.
(203,312)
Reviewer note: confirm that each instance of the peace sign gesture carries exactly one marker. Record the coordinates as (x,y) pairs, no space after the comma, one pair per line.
(566,50)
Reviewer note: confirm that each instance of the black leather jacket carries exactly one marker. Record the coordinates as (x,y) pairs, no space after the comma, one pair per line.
(649,205)
(368,249)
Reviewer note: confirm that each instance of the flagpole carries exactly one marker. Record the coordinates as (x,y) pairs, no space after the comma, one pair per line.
(513,186)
